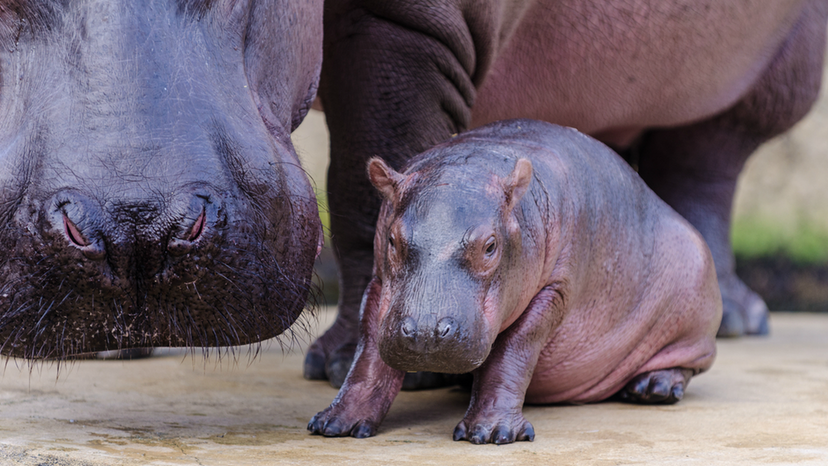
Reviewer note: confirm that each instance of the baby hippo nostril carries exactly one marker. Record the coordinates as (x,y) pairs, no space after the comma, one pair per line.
(446,327)
(408,327)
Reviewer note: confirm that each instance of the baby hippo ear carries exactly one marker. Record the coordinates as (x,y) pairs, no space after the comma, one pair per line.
(517,183)
(384,178)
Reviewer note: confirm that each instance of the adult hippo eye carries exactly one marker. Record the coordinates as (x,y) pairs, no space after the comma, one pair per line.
(392,241)
(491,246)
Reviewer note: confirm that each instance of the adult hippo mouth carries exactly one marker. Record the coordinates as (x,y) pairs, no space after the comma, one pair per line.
(149,191)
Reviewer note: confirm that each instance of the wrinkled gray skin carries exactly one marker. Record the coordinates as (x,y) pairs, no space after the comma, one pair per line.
(149,191)
(535,258)
(687,89)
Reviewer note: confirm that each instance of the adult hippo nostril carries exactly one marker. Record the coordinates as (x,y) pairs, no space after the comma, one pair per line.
(181,245)
(73,233)
(80,219)
(197,228)
(91,249)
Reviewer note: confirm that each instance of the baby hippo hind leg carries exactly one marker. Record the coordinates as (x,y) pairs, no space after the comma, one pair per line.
(664,386)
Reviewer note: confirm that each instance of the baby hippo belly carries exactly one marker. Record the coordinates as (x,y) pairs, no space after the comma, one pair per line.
(668,324)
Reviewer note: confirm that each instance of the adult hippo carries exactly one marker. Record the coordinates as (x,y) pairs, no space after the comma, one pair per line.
(149,191)
(691,88)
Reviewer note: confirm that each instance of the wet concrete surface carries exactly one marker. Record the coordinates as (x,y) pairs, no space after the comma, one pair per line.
(765,401)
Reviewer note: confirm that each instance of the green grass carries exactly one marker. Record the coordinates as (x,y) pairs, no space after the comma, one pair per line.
(804,243)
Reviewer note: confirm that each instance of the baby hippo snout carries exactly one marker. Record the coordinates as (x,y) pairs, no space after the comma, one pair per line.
(432,343)
(445,328)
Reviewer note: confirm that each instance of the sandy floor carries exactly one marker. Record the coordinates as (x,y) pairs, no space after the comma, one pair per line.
(765,401)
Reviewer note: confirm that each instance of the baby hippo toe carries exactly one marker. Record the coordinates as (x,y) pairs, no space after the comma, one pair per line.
(329,424)
(500,433)
(664,386)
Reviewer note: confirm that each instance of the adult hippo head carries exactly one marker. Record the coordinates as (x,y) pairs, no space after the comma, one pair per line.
(149,191)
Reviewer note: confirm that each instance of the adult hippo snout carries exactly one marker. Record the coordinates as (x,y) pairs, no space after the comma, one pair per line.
(105,229)
(149,191)
(187,265)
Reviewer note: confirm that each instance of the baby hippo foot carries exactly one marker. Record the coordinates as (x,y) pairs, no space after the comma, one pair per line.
(336,421)
(664,386)
(497,428)
(743,311)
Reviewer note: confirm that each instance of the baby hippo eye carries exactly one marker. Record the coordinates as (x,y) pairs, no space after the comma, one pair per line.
(391,241)
(491,246)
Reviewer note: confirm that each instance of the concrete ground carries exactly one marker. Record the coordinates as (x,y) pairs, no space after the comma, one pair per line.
(765,401)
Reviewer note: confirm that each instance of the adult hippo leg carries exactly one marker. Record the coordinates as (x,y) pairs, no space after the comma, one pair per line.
(396,79)
(694,168)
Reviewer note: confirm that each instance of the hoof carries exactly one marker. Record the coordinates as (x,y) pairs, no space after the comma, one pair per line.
(339,363)
(330,356)
(337,421)
(332,368)
(503,431)
(733,321)
(656,387)
(743,311)
(314,367)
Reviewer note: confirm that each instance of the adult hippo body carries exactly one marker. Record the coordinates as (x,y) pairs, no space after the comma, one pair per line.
(535,257)
(149,191)
(688,89)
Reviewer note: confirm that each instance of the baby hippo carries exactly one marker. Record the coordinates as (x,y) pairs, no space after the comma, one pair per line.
(534,257)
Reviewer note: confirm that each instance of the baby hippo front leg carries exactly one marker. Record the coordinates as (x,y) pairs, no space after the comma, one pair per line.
(370,387)
(495,413)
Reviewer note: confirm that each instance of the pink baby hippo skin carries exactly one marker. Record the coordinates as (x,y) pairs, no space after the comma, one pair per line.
(535,258)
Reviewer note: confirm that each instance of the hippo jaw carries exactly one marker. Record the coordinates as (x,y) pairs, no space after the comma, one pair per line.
(150,193)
